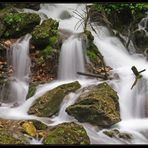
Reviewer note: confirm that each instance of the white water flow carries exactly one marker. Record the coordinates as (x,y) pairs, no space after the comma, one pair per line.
(143,24)
(133,103)
(71,59)
(19,60)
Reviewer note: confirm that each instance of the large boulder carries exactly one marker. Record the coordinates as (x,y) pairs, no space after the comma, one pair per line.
(67,133)
(49,104)
(18,24)
(98,106)
(15,24)
(45,34)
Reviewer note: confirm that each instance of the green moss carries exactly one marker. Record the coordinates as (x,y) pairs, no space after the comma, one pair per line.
(93,52)
(32,90)
(7,138)
(47,51)
(92,56)
(117,133)
(39,125)
(53,40)
(18,24)
(45,34)
(67,133)
(49,103)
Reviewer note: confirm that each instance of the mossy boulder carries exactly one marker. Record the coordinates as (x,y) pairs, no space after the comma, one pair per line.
(45,34)
(67,133)
(98,106)
(49,104)
(96,61)
(7,138)
(18,24)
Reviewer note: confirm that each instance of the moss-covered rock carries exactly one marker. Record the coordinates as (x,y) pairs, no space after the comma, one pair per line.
(49,104)
(67,133)
(29,128)
(45,34)
(118,134)
(96,61)
(98,106)
(39,125)
(32,90)
(7,138)
(18,24)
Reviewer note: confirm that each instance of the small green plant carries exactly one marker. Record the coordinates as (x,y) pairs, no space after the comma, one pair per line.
(12,18)
(47,51)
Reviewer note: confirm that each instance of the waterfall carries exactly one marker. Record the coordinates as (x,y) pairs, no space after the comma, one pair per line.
(133,102)
(71,59)
(19,60)
(143,24)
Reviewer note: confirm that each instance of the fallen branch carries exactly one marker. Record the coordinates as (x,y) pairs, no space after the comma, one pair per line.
(93,75)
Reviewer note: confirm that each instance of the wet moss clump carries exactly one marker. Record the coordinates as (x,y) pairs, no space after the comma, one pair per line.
(45,34)
(67,133)
(18,24)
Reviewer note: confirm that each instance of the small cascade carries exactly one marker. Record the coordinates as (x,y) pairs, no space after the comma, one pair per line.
(143,24)
(19,60)
(71,59)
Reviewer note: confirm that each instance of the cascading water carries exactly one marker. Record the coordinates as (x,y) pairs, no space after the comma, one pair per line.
(19,60)
(133,102)
(71,59)
(122,66)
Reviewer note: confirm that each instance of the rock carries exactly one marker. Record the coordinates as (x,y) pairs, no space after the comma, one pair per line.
(18,24)
(2,28)
(45,34)
(95,57)
(29,128)
(11,132)
(98,106)
(65,15)
(32,90)
(118,134)
(67,133)
(140,41)
(39,125)
(34,6)
(49,104)
(7,138)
